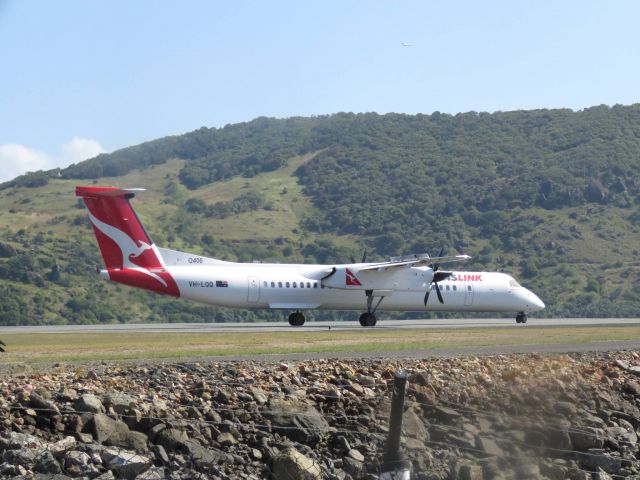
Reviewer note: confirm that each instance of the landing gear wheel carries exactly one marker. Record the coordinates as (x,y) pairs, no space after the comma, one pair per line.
(521,318)
(296,319)
(368,319)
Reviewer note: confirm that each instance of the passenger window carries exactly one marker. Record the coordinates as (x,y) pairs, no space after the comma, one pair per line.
(301,284)
(469,287)
(279,284)
(288,284)
(308,285)
(295,284)
(447,288)
(455,288)
(273,284)
(315,284)
(265,284)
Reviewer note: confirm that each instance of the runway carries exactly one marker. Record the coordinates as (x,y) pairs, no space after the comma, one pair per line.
(324,326)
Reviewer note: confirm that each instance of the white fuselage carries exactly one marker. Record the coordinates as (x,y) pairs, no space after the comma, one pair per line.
(299,287)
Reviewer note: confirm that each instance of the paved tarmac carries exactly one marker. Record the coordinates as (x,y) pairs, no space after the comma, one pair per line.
(323,326)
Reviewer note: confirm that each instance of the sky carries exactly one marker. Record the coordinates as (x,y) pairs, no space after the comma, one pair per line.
(83,77)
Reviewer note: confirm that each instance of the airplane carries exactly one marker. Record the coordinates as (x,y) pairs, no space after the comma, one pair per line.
(401,283)
(404,44)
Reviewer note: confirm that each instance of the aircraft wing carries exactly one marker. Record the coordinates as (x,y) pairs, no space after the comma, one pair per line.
(381,267)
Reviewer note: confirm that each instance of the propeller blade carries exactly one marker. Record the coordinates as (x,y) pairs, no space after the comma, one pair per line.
(440,276)
(438,292)
(426,296)
(364,256)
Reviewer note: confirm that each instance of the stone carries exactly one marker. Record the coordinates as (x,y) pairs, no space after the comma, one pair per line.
(297,420)
(77,463)
(171,438)
(489,446)
(62,446)
(601,475)
(414,427)
(205,458)
(356,455)
(46,463)
(154,473)
(291,464)
(16,440)
(26,457)
(596,458)
(469,471)
(258,395)
(126,464)
(115,433)
(226,439)
(43,406)
(584,438)
(120,402)
(89,403)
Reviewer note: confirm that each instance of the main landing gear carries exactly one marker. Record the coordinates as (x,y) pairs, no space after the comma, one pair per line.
(368,318)
(296,319)
(521,317)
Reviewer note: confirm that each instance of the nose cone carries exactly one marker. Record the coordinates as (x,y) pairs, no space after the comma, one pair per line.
(534,301)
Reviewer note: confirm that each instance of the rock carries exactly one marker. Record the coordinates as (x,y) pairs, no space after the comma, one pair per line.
(115,433)
(226,439)
(154,473)
(62,446)
(596,458)
(290,464)
(125,463)
(89,403)
(206,458)
(120,402)
(601,475)
(44,407)
(46,463)
(413,426)
(16,440)
(489,446)
(258,395)
(297,420)
(468,471)
(352,466)
(356,455)
(77,463)
(171,438)
(584,438)
(26,457)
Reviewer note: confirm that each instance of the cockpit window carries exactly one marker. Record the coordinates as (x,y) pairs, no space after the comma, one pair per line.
(513,283)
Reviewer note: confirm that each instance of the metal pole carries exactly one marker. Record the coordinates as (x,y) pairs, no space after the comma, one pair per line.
(394,465)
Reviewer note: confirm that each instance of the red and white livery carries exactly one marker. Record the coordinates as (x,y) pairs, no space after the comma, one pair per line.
(402,283)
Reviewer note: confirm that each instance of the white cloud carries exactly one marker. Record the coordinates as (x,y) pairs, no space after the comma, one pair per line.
(79,149)
(16,159)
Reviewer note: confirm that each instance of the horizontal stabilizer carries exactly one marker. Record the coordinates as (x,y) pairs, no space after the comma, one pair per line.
(106,191)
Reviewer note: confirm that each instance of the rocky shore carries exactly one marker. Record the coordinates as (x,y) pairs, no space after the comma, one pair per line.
(517,416)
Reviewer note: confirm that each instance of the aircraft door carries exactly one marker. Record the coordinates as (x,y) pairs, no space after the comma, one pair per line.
(468,294)
(253,293)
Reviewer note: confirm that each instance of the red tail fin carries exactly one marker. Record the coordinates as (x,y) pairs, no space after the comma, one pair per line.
(129,254)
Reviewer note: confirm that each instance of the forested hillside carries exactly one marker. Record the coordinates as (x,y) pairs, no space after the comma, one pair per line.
(552,196)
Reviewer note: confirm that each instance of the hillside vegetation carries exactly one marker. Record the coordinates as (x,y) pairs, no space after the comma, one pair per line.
(551,196)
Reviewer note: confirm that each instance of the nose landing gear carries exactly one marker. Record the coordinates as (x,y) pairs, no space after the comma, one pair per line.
(521,317)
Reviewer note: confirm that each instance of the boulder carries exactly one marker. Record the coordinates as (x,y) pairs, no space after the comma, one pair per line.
(297,420)
(584,438)
(290,464)
(77,463)
(171,438)
(115,433)
(89,403)
(126,464)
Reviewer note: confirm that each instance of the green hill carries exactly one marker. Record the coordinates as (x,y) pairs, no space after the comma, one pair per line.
(552,196)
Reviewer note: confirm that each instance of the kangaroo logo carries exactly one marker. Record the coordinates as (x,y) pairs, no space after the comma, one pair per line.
(351,279)
(128,247)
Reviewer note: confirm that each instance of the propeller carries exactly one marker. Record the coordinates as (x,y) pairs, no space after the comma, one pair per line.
(364,257)
(437,277)
(2,344)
